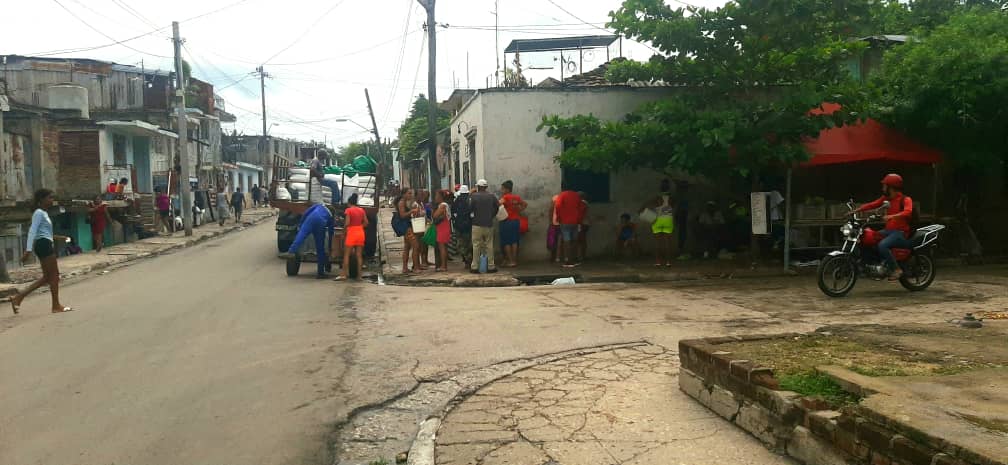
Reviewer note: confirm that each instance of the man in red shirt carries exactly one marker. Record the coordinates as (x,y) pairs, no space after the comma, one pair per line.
(897,229)
(570,211)
(510,229)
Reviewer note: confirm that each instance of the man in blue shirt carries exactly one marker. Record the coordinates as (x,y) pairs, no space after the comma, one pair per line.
(318,222)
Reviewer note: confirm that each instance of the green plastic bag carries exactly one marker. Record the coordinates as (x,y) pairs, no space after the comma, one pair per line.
(430,237)
(332,170)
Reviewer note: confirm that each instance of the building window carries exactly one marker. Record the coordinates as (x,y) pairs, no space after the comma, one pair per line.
(465,173)
(118,150)
(595,185)
(35,98)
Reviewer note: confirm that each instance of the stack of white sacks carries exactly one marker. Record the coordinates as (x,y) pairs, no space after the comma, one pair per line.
(300,180)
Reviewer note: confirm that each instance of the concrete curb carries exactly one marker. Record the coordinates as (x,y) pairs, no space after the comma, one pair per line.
(8,290)
(504,280)
(445,394)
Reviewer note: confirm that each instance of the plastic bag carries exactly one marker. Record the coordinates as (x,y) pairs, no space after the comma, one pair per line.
(430,237)
(365,164)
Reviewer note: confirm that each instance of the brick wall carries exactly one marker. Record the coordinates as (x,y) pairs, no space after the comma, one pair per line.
(805,428)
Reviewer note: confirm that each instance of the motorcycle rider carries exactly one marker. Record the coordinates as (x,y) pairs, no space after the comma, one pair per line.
(897,229)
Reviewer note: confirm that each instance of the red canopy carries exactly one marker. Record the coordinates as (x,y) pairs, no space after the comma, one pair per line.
(865,142)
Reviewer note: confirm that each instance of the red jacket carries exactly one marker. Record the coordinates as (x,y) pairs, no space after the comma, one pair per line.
(900,210)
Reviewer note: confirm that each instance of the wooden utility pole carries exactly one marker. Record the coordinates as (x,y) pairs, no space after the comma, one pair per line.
(4,277)
(262,94)
(431,93)
(183,134)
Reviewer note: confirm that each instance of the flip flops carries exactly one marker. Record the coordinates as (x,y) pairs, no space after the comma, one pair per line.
(64,310)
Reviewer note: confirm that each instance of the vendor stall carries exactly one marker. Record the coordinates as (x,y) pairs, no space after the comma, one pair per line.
(858,151)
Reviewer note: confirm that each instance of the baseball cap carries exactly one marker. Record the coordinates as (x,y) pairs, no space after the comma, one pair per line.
(482,183)
(463,189)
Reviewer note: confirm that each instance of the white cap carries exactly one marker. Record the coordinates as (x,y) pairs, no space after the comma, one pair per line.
(463,189)
(482,183)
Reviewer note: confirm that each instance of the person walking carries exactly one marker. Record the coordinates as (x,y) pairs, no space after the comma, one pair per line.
(510,229)
(238,203)
(222,205)
(570,212)
(41,242)
(484,207)
(256,195)
(461,214)
(442,223)
(163,204)
(356,222)
(318,221)
(99,216)
(407,208)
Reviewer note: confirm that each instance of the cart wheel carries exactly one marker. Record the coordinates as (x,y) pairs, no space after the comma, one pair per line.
(293,266)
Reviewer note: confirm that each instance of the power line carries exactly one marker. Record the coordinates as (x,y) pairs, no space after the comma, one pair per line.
(136,14)
(416,77)
(357,52)
(121,42)
(402,54)
(104,34)
(572,15)
(305,33)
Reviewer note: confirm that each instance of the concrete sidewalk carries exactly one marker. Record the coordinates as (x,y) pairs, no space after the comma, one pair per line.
(82,264)
(596,270)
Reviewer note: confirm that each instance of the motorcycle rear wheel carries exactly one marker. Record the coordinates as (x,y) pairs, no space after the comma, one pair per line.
(837,276)
(919,273)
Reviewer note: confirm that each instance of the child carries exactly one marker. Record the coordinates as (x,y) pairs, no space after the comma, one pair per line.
(626,236)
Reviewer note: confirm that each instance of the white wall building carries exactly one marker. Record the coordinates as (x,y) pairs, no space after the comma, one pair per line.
(494,137)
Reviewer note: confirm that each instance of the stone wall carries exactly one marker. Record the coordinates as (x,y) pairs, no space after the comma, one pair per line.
(804,428)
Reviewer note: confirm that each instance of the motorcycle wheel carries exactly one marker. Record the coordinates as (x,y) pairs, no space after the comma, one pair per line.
(919,273)
(837,276)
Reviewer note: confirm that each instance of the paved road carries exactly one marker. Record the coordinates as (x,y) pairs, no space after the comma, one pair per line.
(206,356)
(211,356)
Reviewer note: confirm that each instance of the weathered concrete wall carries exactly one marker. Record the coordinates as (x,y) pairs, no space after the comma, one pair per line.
(509,147)
(15,167)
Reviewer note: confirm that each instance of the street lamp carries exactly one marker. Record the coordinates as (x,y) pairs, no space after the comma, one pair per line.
(344,120)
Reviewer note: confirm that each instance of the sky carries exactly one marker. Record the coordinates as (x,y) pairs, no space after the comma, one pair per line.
(320,55)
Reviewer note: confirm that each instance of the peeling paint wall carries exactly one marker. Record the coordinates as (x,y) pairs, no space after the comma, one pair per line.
(15,167)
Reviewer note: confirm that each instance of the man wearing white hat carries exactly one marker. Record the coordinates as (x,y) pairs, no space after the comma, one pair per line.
(484,209)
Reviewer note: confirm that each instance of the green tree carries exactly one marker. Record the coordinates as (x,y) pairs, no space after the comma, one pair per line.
(920,16)
(950,88)
(414,129)
(747,74)
(352,150)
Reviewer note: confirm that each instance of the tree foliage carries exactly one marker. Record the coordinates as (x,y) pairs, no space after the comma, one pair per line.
(920,16)
(414,130)
(747,76)
(352,150)
(949,88)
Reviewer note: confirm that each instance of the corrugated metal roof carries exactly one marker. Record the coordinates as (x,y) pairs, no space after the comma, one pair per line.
(560,43)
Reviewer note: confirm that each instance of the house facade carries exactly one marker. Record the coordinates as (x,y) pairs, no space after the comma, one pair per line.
(494,136)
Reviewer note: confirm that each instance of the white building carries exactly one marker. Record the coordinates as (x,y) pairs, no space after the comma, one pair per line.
(494,137)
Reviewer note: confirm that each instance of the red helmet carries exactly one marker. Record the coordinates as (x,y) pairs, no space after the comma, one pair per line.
(893,180)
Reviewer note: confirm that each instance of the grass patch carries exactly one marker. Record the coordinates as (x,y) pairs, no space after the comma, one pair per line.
(812,383)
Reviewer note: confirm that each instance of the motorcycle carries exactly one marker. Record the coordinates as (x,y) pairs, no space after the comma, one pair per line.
(858,256)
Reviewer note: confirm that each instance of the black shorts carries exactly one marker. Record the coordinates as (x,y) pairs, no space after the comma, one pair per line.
(164,213)
(43,248)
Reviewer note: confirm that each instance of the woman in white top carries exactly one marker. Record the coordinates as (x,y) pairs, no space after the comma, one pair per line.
(42,242)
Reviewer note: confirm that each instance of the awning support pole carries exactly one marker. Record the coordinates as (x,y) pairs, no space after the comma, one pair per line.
(787,222)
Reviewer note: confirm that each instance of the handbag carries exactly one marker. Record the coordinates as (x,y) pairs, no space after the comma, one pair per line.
(400,225)
(502,213)
(430,237)
(523,224)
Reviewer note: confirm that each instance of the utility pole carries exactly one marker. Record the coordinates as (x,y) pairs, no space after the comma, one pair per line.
(497,41)
(431,92)
(262,93)
(377,139)
(183,134)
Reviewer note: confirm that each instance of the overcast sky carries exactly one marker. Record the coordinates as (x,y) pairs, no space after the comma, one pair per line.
(321,54)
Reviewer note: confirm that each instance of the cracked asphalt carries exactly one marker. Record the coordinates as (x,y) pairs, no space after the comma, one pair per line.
(211,355)
(613,407)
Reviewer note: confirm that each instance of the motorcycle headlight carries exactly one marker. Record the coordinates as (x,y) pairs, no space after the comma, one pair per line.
(846,230)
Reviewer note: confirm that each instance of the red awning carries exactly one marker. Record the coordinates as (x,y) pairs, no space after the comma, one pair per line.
(868,141)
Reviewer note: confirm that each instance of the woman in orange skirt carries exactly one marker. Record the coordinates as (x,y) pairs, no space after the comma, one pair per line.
(356,221)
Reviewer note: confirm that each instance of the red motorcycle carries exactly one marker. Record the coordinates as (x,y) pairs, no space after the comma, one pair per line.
(839,271)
